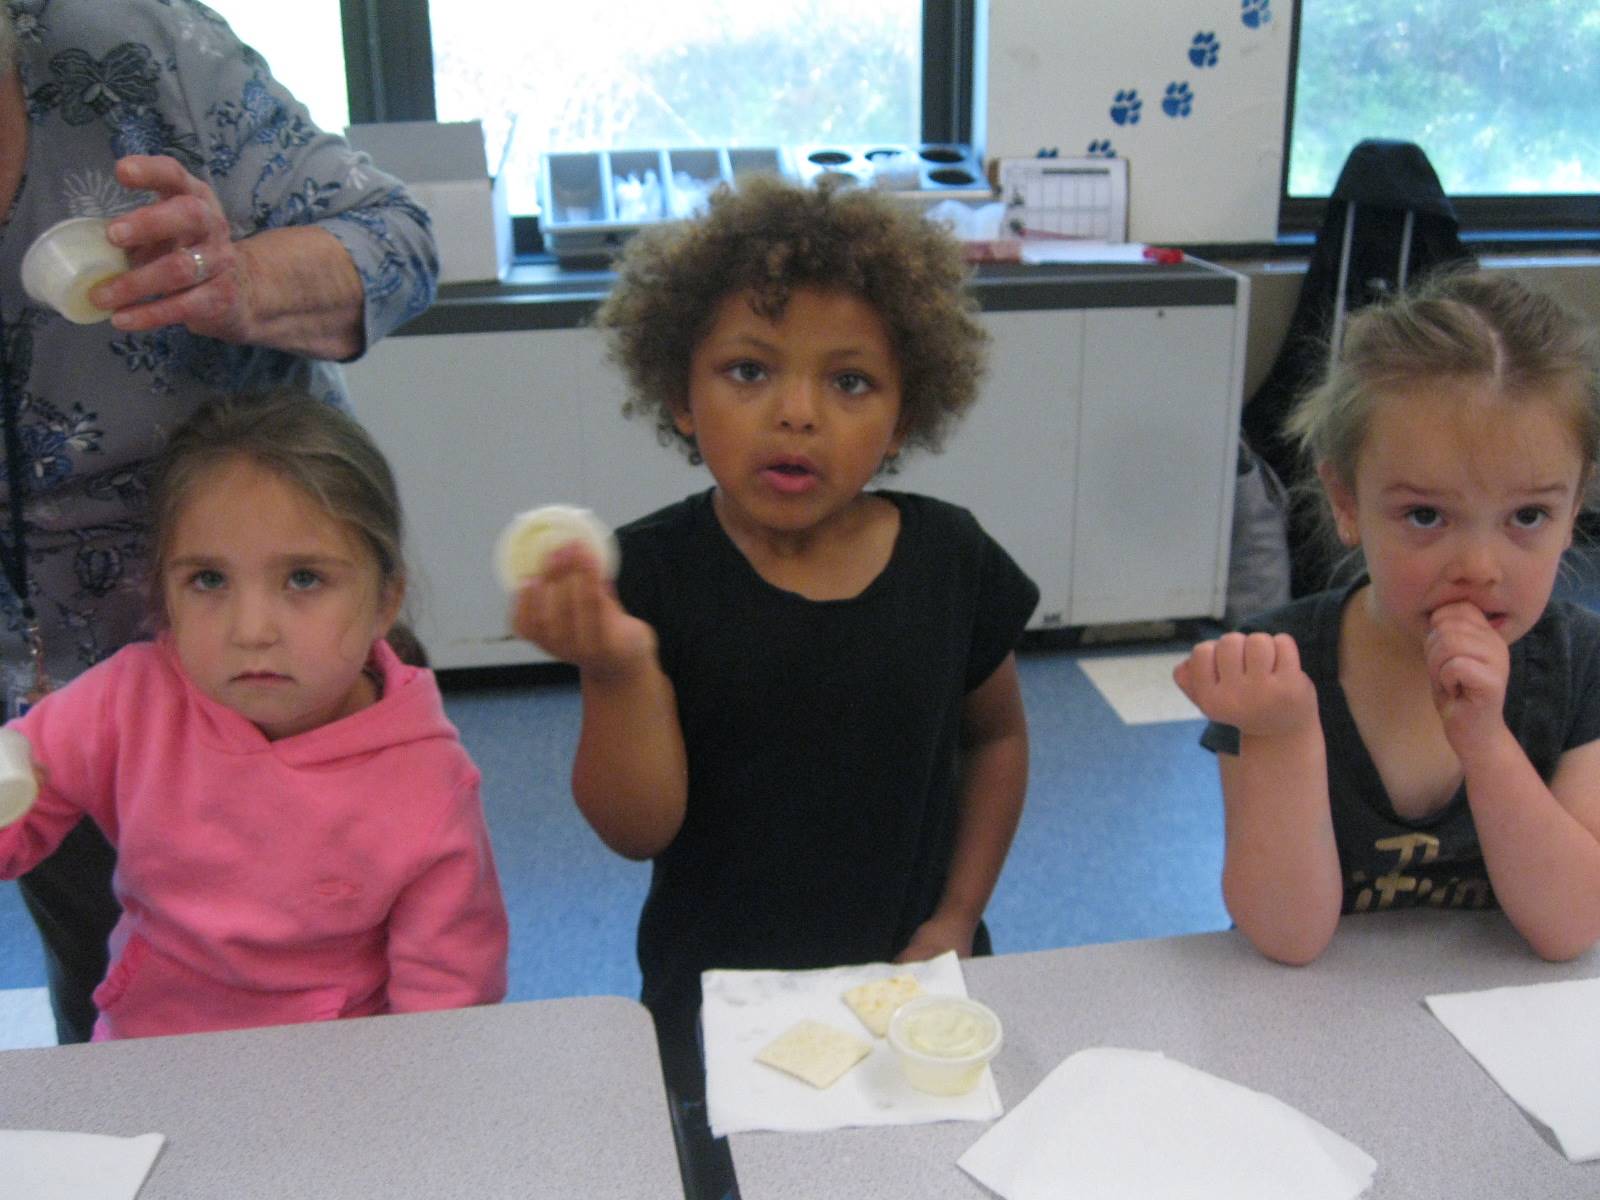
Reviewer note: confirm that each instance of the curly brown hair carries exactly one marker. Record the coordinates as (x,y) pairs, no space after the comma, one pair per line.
(770,238)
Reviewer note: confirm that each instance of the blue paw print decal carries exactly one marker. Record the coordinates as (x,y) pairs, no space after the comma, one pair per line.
(1125,107)
(1203,50)
(1255,13)
(1178,100)
(1101,148)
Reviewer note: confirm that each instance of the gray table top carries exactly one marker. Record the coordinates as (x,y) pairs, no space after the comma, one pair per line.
(545,1098)
(1346,1040)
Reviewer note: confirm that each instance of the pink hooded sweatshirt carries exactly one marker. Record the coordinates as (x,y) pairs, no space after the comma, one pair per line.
(341,872)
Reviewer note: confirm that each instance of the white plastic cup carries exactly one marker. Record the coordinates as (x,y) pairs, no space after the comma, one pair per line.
(531,537)
(66,262)
(18,784)
(943,1043)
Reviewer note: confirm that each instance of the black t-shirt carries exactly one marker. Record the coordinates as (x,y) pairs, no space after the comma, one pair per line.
(821,736)
(1552,706)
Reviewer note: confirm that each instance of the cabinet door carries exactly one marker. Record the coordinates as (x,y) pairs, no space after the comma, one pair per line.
(629,468)
(1011,460)
(1156,449)
(478,427)
(481,426)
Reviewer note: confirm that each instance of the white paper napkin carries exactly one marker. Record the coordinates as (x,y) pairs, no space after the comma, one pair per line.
(1111,1124)
(44,1165)
(1541,1043)
(744,1010)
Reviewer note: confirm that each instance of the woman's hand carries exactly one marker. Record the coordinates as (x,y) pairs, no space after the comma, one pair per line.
(1468,664)
(1251,681)
(187,269)
(295,288)
(572,613)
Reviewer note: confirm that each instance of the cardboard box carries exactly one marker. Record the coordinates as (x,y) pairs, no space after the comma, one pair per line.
(446,169)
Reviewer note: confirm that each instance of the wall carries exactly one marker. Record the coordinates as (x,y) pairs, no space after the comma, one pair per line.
(1573,279)
(1190,92)
(1059,74)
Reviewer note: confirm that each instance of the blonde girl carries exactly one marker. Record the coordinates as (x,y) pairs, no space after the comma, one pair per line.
(1430,733)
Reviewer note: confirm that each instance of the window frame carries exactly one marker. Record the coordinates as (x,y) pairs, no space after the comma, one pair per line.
(1522,220)
(388,47)
(389,67)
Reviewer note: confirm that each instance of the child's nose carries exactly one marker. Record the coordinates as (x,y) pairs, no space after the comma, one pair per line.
(255,621)
(1476,561)
(797,405)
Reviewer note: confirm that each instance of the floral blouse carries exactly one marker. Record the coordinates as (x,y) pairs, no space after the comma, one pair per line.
(102,80)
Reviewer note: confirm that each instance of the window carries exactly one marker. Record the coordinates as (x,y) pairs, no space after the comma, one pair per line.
(632,74)
(1501,97)
(679,73)
(302,43)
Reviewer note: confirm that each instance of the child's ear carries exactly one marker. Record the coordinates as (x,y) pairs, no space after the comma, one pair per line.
(896,444)
(1585,481)
(683,420)
(394,595)
(1342,499)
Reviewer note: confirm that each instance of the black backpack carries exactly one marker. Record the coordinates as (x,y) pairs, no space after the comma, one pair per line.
(1388,224)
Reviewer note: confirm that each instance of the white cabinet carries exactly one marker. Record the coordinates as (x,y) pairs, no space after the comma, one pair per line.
(1100,454)
(1156,449)
(1012,460)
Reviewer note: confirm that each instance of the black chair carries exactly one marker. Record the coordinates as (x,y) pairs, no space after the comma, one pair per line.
(1388,223)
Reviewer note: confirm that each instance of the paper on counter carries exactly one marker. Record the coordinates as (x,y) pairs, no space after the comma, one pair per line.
(744,1010)
(44,1165)
(1541,1043)
(1072,250)
(1112,1124)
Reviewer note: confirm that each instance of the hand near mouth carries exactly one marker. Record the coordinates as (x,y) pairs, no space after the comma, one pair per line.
(1468,664)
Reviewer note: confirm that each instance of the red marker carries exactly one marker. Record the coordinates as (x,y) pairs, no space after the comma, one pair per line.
(1163,254)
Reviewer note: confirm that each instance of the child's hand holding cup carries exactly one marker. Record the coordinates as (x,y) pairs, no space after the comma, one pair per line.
(66,262)
(18,784)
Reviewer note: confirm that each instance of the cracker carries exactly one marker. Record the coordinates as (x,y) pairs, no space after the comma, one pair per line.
(876,1001)
(814,1052)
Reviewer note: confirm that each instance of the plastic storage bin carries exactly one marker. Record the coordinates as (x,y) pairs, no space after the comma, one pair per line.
(927,172)
(592,201)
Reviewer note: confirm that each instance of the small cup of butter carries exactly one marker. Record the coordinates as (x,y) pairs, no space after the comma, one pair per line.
(65,263)
(944,1042)
(531,537)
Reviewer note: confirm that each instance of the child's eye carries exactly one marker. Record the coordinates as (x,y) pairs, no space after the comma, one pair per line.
(853,383)
(207,580)
(746,371)
(1530,517)
(1424,517)
(303,579)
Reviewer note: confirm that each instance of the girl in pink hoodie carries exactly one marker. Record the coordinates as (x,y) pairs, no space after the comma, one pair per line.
(298,830)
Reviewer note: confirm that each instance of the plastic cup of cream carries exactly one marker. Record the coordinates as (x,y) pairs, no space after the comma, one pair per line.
(944,1042)
(18,784)
(531,537)
(65,263)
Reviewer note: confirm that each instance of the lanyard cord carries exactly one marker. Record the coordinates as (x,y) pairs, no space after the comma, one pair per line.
(13,558)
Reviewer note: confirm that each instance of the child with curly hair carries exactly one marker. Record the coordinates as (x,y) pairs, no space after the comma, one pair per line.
(800,702)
